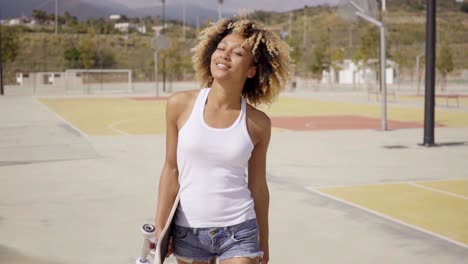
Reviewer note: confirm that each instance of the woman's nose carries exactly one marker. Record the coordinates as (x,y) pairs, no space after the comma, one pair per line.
(225,55)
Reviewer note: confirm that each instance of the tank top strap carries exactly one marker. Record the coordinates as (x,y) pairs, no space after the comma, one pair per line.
(243,110)
(198,108)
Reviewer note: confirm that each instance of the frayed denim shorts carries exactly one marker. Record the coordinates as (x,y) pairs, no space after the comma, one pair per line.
(203,244)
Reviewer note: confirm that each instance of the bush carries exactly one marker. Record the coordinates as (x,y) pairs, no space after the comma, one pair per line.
(464,7)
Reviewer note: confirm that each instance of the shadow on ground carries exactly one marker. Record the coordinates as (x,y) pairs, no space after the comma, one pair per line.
(9,255)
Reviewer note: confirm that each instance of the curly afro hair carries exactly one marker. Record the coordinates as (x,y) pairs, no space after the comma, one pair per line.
(270,53)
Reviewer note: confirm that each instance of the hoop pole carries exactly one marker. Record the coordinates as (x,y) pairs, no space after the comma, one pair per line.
(383,62)
(429,103)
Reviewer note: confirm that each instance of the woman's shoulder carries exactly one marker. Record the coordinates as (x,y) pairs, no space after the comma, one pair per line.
(258,123)
(183,97)
(178,101)
(258,116)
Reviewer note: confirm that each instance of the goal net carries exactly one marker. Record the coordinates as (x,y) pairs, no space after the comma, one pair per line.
(95,81)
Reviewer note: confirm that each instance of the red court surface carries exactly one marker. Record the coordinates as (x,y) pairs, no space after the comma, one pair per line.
(306,123)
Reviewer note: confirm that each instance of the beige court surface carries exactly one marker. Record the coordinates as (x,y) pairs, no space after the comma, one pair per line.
(443,213)
(78,177)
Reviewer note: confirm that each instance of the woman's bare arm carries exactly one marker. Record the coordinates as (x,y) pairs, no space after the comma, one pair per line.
(168,182)
(261,133)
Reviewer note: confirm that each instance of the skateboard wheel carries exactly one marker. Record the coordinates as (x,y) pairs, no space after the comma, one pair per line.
(138,261)
(148,230)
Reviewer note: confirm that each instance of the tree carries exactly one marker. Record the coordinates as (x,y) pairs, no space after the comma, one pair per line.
(123,19)
(40,16)
(400,60)
(87,49)
(10,44)
(321,57)
(105,59)
(72,58)
(444,63)
(368,47)
(337,58)
(177,58)
(464,7)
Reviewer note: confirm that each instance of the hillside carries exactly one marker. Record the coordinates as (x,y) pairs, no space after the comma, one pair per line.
(406,38)
(420,5)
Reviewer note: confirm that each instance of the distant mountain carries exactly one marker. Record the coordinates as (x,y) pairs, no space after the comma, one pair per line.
(103,8)
(193,13)
(16,8)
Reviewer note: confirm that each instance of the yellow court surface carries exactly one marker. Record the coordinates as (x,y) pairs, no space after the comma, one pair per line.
(111,116)
(459,187)
(127,116)
(438,207)
(451,102)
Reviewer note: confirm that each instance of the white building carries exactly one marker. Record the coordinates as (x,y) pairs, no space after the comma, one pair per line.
(15,22)
(125,27)
(40,78)
(352,73)
(115,17)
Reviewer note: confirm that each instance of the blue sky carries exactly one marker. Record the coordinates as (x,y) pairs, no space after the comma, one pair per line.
(270,5)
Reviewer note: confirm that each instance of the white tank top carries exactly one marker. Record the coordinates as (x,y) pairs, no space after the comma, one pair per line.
(212,165)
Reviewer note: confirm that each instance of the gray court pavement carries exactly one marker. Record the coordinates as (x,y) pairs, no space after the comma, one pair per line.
(69,198)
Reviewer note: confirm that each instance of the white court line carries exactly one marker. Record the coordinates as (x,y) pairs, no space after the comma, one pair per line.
(112,126)
(388,217)
(437,190)
(383,183)
(61,118)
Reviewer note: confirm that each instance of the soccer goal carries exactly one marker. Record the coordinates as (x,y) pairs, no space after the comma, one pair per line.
(95,81)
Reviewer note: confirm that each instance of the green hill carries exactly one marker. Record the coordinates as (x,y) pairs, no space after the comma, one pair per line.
(405,21)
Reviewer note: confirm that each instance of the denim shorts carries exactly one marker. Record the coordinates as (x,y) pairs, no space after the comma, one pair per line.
(202,244)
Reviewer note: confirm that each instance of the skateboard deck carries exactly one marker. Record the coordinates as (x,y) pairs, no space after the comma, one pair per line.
(166,234)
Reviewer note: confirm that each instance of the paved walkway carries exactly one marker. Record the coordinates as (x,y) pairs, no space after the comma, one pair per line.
(71,198)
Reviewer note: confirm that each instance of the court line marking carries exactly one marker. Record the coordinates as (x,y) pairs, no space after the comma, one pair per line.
(432,189)
(387,217)
(61,118)
(385,183)
(111,126)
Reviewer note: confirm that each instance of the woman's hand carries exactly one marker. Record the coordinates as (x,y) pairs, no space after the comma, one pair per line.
(170,248)
(266,253)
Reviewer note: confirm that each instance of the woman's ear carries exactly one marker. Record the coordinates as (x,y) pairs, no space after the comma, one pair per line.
(252,71)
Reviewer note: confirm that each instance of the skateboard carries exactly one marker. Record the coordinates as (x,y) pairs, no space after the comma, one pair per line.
(157,249)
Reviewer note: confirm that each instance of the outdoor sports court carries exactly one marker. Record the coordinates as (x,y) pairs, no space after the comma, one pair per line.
(436,207)
(78,178)
(145,115)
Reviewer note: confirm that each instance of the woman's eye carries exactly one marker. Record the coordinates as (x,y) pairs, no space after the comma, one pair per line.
(238,53)
(220,49)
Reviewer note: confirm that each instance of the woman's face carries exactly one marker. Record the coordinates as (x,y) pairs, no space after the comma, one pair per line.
(233,59)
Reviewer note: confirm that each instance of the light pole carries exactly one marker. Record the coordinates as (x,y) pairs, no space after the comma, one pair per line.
(304,32)
(220,9)
(183,20)
(2,92)
(56,17)
(162,32)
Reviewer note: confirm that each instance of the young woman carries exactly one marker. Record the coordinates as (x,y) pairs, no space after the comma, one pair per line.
(216,146)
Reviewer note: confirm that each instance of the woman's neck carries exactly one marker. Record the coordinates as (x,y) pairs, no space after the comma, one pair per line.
(224,96)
